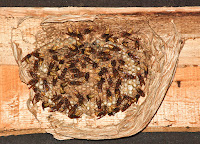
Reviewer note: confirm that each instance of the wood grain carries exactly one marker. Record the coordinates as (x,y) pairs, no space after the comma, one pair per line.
(180,110)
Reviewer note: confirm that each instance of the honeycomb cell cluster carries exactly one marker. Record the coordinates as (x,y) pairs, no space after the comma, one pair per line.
(85,72)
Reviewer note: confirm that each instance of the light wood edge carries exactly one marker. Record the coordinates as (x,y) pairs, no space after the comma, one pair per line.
(22,131)
(42,12)
(172,129)
(148,129)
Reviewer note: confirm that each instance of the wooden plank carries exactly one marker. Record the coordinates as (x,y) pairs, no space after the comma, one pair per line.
(180,110)
(160,20)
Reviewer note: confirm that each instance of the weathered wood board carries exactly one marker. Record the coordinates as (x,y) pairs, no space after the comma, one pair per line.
(180,110)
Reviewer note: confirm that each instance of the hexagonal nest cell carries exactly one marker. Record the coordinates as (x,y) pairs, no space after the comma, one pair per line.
(96,78)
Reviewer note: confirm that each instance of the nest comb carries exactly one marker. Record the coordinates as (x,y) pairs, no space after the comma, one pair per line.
(96,79)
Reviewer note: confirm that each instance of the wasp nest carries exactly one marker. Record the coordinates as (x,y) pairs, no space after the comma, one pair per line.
(97,72)
(85,71)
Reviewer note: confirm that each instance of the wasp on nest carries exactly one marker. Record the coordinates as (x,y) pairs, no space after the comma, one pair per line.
(80,73)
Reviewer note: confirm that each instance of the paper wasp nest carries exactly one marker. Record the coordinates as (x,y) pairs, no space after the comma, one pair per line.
(88,75)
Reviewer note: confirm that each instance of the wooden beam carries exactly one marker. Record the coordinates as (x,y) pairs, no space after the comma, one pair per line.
(180,110)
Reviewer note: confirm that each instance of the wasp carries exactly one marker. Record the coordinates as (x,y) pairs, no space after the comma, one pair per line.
(112,39)
(26,58)
(62,91)
(72,112)
(80,98)
(115,72)
(45,83)
(116,110)
(141,79)
(33,74)
(103,112)
(52,51)
(100,83)
(58,105)
(79,35)
(121,61)
(62,75)
(108,93)
(120,69)
(107,35)
(72,63)
(140,92)
(56,98)
(137,43)
(70,32)
(94,65)
(74,70)
(35,67)
(89,50)
(70,54)
(41,61)
(126,106)
(79,44)
(132,56)
(114,48)
(119,101)
(99,102)
(118,83)
(103,71)
(54,81)
(66,103)
(127,98)
(110,111)
(35,89)
(87,76)
(32,82)
(146,71)
(137,97)
(87,59)
(89,97)
(36,98)
(78,75)
(36,54)
(109,80)
(117,91)
(78,114)
(57,68)
(83,65)
(51,65)
(102,53)
(126,34)
(83,50)
(75,83)
(74,48)
(129,76)
(125,43)
(55,57)
(63,84)
(104,56)
(88,30)
(45,105)
(113,63)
